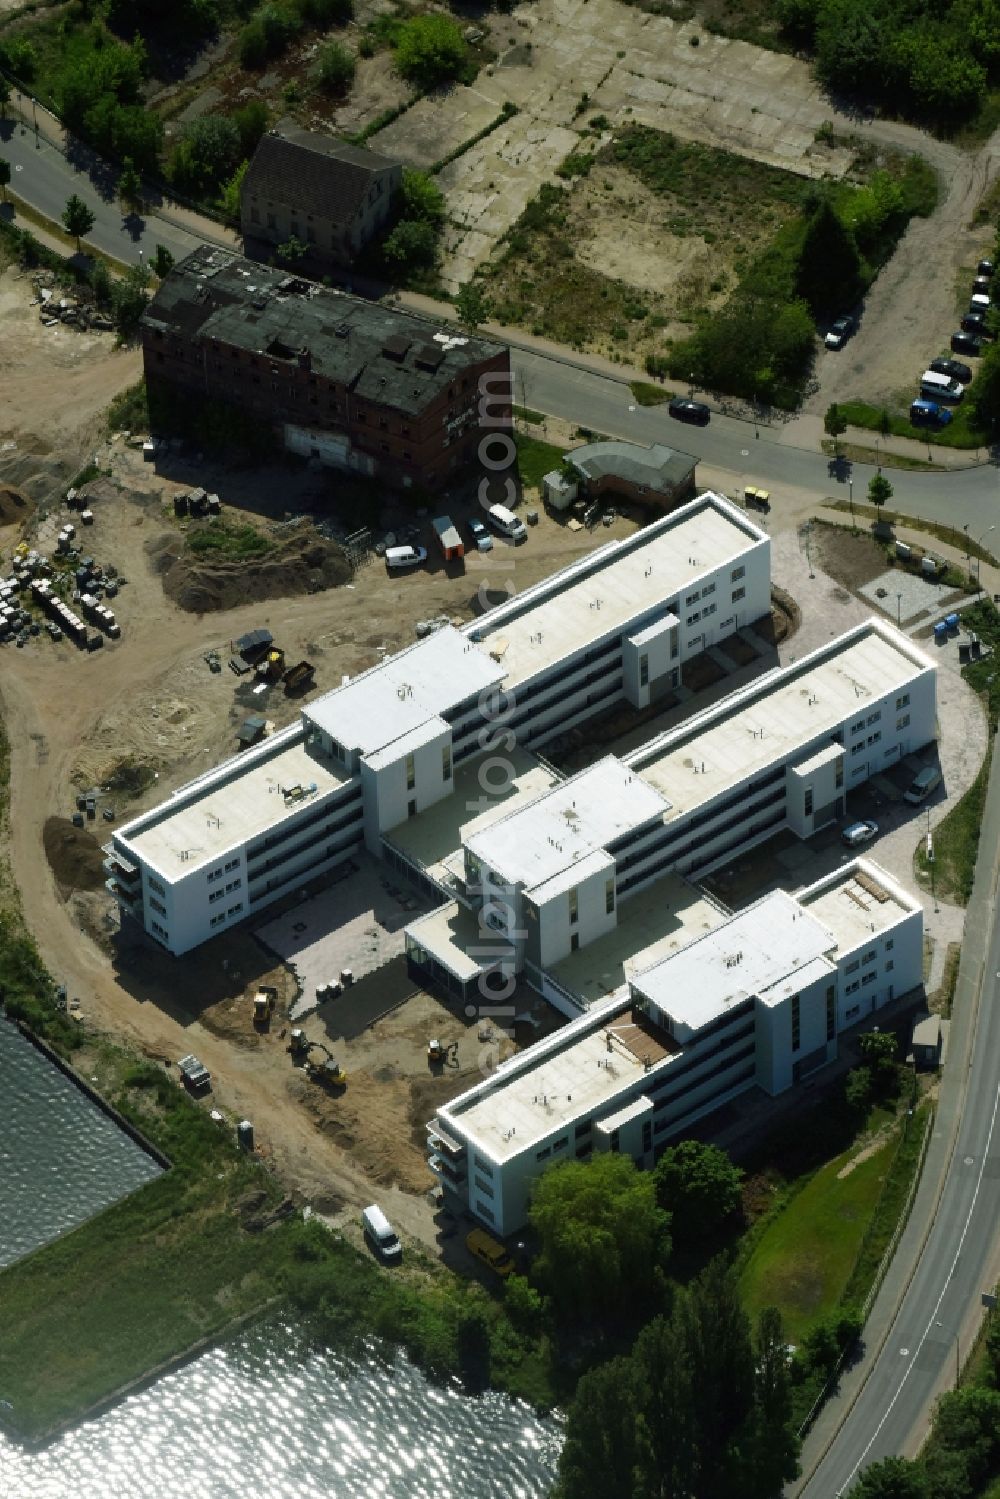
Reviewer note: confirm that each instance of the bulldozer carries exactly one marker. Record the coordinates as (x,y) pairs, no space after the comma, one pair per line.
(263,1005)
(328,1072)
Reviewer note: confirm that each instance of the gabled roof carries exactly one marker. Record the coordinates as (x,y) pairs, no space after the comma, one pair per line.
(313,173)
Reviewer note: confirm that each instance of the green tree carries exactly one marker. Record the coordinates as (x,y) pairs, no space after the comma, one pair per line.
(411,245)
(100,281)
(4,176)
(420,198)
(966,1426)
(77,218)
(232,192)
(523,1304)
(130,185)
(829,275)
(472,1338)
(835,424)
(720,1352)
(858,1087)
(251,122)
(993,1349)
(4,97)
(603,1239)
(850,46)
(162,262)
(880,491)
(699,1186)
(664,1383)
(325,12)
(207,153)
(602,1448)
(985,394)
(335,68)
(292,249)
(884,422)
(879,1048)
(472,304)
(773,1448)
(892,1478)
(430,50)
(129,301)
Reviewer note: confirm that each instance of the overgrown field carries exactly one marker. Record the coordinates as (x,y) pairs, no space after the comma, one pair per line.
(714,269)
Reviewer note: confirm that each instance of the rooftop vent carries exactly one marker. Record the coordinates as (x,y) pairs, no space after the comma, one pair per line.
(429,357)
(396,347)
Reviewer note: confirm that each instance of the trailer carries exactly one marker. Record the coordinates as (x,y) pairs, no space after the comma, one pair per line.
(300,676)
(450,542)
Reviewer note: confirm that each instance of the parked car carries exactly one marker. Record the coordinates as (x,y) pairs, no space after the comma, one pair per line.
(507,523)
(857,833)
(966,343)
(401,559)
(491,1253)
(982,284)
(381,1235)
(919,789)
(929,414)
(480,535)
(840,332)
(975,322)
(685,410)
(985,268)
(953,368)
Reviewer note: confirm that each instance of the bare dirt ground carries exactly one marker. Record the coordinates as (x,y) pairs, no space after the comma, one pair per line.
(144,715)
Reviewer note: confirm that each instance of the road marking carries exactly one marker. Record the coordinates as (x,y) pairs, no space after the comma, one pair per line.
(937,1307)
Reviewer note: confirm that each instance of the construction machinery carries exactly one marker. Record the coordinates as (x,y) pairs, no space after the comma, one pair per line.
(436,1051)
(299,1043)
(328,1072)
(300,676)
(272,666)
(263,1005)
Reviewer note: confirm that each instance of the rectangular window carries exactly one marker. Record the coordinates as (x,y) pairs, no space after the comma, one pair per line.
(853,967)
(809,801)
(693,598)
(218,920)
(216,874)
(574,941)
(693,619)
(869,978)
(796,1022)
(411,808)
(485,1167)
(232,864)
(874,738)
(543,1155)
(736,574)
(869,957)
(890,944)
(874,717)
(483,1187)
(235,910)
(708,588)
(738,593)
(856,728)
(853,988)
(581,1130)
(560,1144)
(609,895)
(903,722)
(831,1013)
(446,762)
(839,778)
(411,773)
(155,885)
(158,906)
(216,895)
(233,885)
(890,966)
(853,1012)
(903,702)
(643,671)
(486,1212)
(574,907)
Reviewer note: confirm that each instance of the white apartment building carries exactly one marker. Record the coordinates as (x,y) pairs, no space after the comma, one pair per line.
(756,1003)
(370,755)
(558,873)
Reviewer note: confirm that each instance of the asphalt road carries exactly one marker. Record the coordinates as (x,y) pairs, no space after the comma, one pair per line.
(964,497)
(918,1359)
(45,178)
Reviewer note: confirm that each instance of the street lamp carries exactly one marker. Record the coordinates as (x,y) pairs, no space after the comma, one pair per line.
(979,560)
(899,611)
(850,492)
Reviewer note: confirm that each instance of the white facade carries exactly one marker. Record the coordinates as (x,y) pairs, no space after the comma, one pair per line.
(555,875)
(759,1002)
(382,749)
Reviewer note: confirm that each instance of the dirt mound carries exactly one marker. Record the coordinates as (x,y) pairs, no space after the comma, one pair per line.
(74,855)
(300,562)
(15,505)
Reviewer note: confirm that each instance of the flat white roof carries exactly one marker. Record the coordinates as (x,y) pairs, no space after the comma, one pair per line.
(232,809)
(598,597)
(552,1084)
(456,937)
(857,904)
(399,695)
(777,714)
(762,951)
(576,818)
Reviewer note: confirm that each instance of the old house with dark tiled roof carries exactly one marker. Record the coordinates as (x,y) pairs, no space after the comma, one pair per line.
(331,196)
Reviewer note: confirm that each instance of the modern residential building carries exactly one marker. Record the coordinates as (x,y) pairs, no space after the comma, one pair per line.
(329,195)
(357,385)
(547,879)
(758,1002)
(379,753)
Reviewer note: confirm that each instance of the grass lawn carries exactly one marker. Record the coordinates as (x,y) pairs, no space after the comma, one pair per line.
(647,394)
(956,844)
(535,459)
(805,1256)
(958,434)
(227,540)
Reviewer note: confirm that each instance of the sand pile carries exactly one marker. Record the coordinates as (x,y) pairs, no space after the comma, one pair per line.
(74,854)
(300,561)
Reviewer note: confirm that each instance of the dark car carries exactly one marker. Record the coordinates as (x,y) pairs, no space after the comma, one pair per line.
(966,343)
(685,410)
(839,333)
(984,268)
(975,322)
(953,368)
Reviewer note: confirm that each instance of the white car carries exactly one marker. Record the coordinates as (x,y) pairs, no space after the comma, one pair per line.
(839,333)
(480,535)
(859,832)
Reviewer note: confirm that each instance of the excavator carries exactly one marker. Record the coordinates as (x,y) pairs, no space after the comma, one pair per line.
(327,1071)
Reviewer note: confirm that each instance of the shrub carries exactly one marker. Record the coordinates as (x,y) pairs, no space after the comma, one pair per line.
(335,69)
(430,50)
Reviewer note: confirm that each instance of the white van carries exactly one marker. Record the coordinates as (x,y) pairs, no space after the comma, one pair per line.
(937,387)
(919,789)
(401,559)
(381,1235)
(507,523)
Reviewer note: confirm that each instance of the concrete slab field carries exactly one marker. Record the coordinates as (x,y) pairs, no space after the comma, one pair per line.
(356,923)
(906,597)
